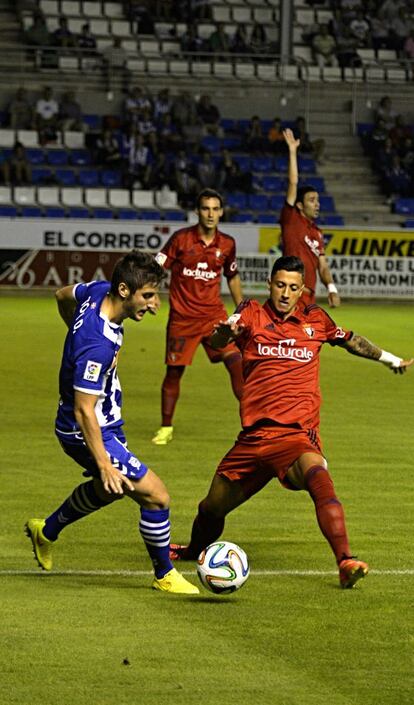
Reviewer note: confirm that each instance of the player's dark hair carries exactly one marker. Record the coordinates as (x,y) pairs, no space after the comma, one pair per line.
(209,193)
(289,264)
(135,270)
(303,190)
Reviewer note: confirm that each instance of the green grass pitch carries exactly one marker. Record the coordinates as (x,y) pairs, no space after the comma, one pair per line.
(94,632)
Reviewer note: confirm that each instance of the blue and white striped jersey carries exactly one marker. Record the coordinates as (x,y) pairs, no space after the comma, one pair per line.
(89,362)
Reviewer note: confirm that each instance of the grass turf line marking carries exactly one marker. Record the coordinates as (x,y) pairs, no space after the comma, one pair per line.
(141,573)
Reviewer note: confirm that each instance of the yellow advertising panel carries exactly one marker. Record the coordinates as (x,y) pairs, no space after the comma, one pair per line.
(359,243)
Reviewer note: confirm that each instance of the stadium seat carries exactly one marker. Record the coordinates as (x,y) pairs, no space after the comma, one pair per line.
(147,214)
(241,218)
(48,195)
(95,197)
(258,201)
(92,121)
(327,203)
(111,179)
(222,69)
(8,211)
(29,138)
(119,198)
(35,155)
(179,67)
(243,160)
(74,140)
(166,199)
(211,143)
(273,183)
(281,164)
(404,206)
(409,223)
(5,195)
(80,157)
(66,177)
(317,182)
(120,28)
(69,64)
(128,214)
(231,142)
(31,212)
(88,178)
(332,220)
(55,212)
(142,198)
(267,72)
(113,10)
(276,203)
(7,138)
(72,197)
(24,195)
(42,175)
(78,212)
(175,215)
(306,165)
(103,213)
(262,164)
(57,157)
(266,218)
(236,200)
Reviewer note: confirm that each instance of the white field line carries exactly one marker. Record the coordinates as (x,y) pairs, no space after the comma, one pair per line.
(141,573)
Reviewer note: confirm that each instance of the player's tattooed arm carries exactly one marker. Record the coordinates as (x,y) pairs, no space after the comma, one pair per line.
(358,345)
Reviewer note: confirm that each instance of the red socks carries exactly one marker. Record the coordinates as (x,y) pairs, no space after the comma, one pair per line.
(207,528)
(170,391)
(329,511)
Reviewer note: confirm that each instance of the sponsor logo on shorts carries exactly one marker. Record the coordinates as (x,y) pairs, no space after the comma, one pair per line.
(285,349)
(92,371)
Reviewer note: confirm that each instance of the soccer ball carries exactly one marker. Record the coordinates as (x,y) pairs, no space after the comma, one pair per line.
(223,567)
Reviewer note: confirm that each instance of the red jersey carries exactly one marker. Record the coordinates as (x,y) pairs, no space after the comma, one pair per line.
(196,273)
(301,238)
(281,363)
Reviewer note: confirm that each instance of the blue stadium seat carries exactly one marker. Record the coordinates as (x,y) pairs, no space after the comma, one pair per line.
(55,212)
(92,121)
(266,218)
(35,155)
(281,163)
(241,218)
(317,182)
(103,213)
(89,178)
(228,124)
(404,206)
(231,142)
(146,214)
(111,179)
(80,157)
(41,175)
(243,125)
(258,201)
(66,177)
(263,164)
(128,214)
(31,212)
(273,183)
(306,165)
(243,160)
(236,200)
(8,211)
(364,128)
(175,215)
(409,223)
(327,203)
(57,157)
(276,203)
(78,212)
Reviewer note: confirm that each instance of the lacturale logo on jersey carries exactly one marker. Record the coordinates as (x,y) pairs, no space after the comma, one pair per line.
(285,349)
(200,272)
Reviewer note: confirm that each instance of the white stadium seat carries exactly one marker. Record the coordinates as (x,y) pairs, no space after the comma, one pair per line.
(29,138)
(119,198)
(71,196)
(95,197)
(48,195)
(7,137)
(143,199)
(25,195)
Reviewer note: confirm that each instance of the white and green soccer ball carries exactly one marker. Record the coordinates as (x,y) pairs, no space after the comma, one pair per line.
(223,567)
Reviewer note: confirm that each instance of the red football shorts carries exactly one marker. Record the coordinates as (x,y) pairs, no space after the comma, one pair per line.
(182,343)
(257,457)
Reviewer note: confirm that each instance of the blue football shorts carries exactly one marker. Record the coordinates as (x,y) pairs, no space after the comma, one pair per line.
(116,447)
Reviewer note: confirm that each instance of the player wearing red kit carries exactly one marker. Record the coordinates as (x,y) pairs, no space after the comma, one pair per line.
(280,343)
(300,236)
(197,256)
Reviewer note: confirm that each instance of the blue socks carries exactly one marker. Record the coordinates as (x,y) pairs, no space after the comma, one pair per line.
(82,501)
(154,527)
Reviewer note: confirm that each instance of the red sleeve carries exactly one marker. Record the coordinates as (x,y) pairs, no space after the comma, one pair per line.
(230,264)
(168,254)
(335,335)
(244,314)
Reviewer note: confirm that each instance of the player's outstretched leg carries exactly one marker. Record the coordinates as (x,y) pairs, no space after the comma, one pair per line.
(42,547)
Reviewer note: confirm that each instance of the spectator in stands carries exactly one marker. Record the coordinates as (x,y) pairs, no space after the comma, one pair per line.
(46,116)
(70,113)
(360,29)
(219,42)
(184,181)
(389,9)
(206,171)
(164,10)
(146,125)
(162,103)
(16,169)
(377,138)
(409,46)
(379,30)
(239,43)
(255,139)
(184,110)
(397,181)
(139,164)
(382,159)
(209,116)
(37,34)
(134,104)
(400,26)
(349,9)
(346,49)
(386,112)
(62,36)
(86,41)
(20,111)
(259,42)
(108,153)
(191,42)
(200,9)
(324,47)
(115,65)
(169,136)
(140,17)
(275,137)
(230,177)
(314,148)
(160,172)
(400,132)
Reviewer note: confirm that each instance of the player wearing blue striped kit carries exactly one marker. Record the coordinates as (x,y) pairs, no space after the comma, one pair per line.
(89,422)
